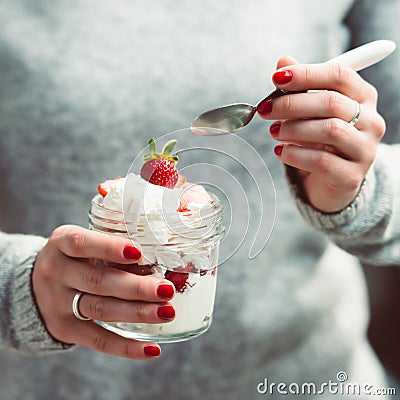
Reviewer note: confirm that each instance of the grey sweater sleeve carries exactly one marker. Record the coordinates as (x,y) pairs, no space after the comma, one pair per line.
(21,326)
(369,228)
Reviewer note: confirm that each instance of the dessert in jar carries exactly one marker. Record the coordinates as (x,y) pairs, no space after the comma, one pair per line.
(178,226)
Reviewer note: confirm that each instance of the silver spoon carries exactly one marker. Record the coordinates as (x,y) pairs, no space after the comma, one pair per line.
(232,117)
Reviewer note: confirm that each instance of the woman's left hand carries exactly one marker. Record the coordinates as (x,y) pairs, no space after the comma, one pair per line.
(331,155)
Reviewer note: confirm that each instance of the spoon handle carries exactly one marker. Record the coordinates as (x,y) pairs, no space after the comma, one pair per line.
(366,55)
(359,58)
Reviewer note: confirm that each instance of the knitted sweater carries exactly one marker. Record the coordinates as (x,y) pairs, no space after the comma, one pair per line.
(82,88)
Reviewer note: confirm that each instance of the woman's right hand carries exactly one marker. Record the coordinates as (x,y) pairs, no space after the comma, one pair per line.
(62,269)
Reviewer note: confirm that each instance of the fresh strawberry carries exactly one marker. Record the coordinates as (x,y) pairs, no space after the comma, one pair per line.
(104,187)
(179,279)
(159,168)
(160,172)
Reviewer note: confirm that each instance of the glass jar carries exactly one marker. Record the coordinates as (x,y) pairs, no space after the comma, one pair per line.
(181,247)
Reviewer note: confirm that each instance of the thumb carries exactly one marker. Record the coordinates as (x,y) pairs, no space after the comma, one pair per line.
(285,62)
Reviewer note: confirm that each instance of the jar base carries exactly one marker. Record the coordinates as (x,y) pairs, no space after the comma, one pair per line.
(158,338)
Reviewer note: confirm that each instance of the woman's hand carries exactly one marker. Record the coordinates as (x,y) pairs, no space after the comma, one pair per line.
(331,156)
(62,269)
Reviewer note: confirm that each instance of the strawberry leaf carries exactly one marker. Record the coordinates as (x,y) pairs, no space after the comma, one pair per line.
(152,146)
(168,147)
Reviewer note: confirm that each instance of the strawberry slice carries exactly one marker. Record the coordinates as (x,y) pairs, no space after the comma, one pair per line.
(195,194)
(135,268)
(181,181)
(141,269)
(179,279)
(104,187)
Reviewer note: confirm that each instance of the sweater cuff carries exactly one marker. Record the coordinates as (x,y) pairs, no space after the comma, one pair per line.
(28,332)
(333,222)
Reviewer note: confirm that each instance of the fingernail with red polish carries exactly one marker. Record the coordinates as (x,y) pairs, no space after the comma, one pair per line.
(278,149)
(165,291)
(275,128)
(265,107)
(132,253)
(152,351)
(166,312)
(282,77)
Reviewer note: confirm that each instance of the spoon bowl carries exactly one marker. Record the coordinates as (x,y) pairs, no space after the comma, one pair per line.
(223,120)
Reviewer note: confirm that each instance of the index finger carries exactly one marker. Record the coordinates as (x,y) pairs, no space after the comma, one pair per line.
(323,76)
(78,242)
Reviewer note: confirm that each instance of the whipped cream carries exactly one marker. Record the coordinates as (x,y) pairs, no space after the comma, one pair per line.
(133,195)
(134,202)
